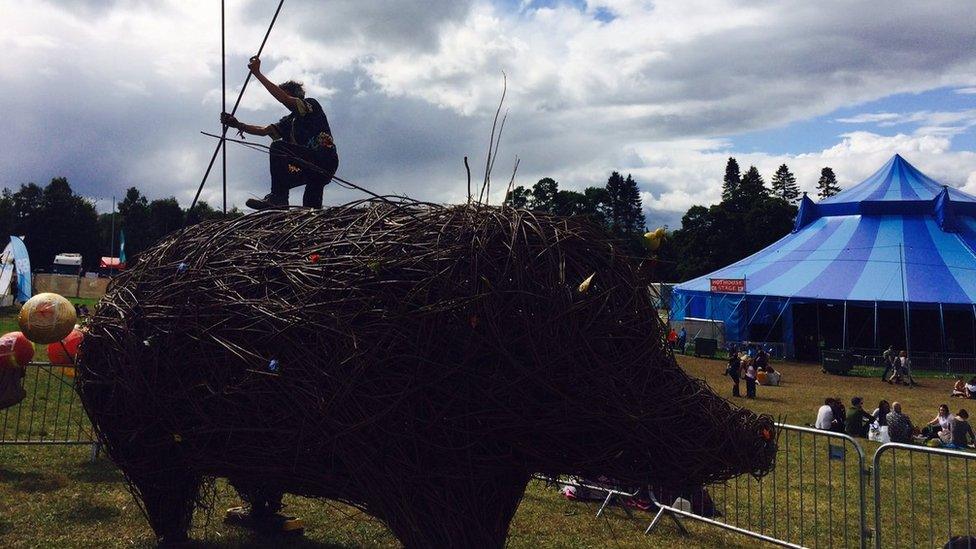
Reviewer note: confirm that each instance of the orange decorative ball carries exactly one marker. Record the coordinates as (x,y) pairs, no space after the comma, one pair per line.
(63,353)
(47,318)
(15,350)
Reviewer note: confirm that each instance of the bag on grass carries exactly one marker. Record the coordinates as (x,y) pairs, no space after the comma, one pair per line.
(879,433)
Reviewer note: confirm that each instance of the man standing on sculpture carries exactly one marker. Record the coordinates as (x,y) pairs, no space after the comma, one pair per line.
(303,151)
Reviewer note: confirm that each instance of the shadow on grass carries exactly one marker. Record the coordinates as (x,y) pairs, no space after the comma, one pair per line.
(87,511)
(260,542)
(32,482)
(102,471)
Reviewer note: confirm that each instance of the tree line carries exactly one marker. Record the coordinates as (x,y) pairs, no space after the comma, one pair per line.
(54,219)
(616,206)
(749,217)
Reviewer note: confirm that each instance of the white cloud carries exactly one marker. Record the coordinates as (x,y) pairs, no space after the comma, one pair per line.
(112,94)
(931,122)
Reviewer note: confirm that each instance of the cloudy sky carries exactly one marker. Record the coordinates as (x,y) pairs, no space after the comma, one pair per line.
(113,93)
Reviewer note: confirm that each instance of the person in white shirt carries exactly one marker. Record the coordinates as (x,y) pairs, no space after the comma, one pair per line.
(825,416)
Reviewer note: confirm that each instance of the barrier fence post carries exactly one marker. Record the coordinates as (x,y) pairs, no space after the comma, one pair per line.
(737,519)
(951,458)
(46,416)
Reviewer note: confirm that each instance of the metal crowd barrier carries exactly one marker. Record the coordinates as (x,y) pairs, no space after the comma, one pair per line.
(814,496)
(50,413)
(958,365)
(935,507)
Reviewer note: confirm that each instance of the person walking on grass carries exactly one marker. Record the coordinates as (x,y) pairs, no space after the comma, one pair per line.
(888,357)
(303,151)
(733,370)
(903,370)
(749,367)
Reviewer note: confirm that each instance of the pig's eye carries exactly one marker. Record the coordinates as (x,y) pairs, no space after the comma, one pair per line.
(767,435)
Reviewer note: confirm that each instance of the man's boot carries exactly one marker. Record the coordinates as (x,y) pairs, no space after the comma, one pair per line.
(270,201)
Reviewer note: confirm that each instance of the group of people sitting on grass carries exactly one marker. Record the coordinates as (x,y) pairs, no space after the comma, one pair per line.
(963,389)
(754,370)
(898,366)
(889,423)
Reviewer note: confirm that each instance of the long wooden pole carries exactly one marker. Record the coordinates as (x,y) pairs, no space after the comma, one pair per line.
(223,93)
(237,103)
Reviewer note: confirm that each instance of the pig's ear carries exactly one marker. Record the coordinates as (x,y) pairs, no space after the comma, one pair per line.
(585,285)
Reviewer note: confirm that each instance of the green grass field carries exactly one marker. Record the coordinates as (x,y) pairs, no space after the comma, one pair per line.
(52,496)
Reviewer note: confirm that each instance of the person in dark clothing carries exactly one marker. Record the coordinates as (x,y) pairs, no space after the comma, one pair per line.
(733,370)
(762,360)
(682,339)
(840,416)
(900,427)
(750,375)
(888,357)
(303,151)
(962,431)
(858,421)
(881,413)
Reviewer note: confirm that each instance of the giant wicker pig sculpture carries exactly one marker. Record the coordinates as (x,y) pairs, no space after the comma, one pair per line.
(417,361)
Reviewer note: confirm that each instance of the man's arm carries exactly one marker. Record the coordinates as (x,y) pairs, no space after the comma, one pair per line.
(291,103)
(232,122)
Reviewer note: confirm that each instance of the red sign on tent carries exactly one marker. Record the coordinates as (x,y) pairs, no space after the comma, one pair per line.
(728,285)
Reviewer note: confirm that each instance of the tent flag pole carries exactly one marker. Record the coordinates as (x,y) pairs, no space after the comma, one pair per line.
(942,328)
(904,300)
(876,325)
(974,327)
(111,249)
(843,343)
(819,346)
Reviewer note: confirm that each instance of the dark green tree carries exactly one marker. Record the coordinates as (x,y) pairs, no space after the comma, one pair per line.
(784,185)
(133,218)
(625,212)
(730,183)
(716,236)
(597,205)
(569,203)
(752,188)
(52,220)
(518,198)
(544,195)
(827,186)
(165,216)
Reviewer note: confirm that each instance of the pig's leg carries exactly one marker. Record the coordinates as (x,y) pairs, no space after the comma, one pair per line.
(261,500)
(453,512)
(168,497)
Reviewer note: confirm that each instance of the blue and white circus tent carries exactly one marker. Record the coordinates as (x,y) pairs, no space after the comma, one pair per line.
(888,261)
